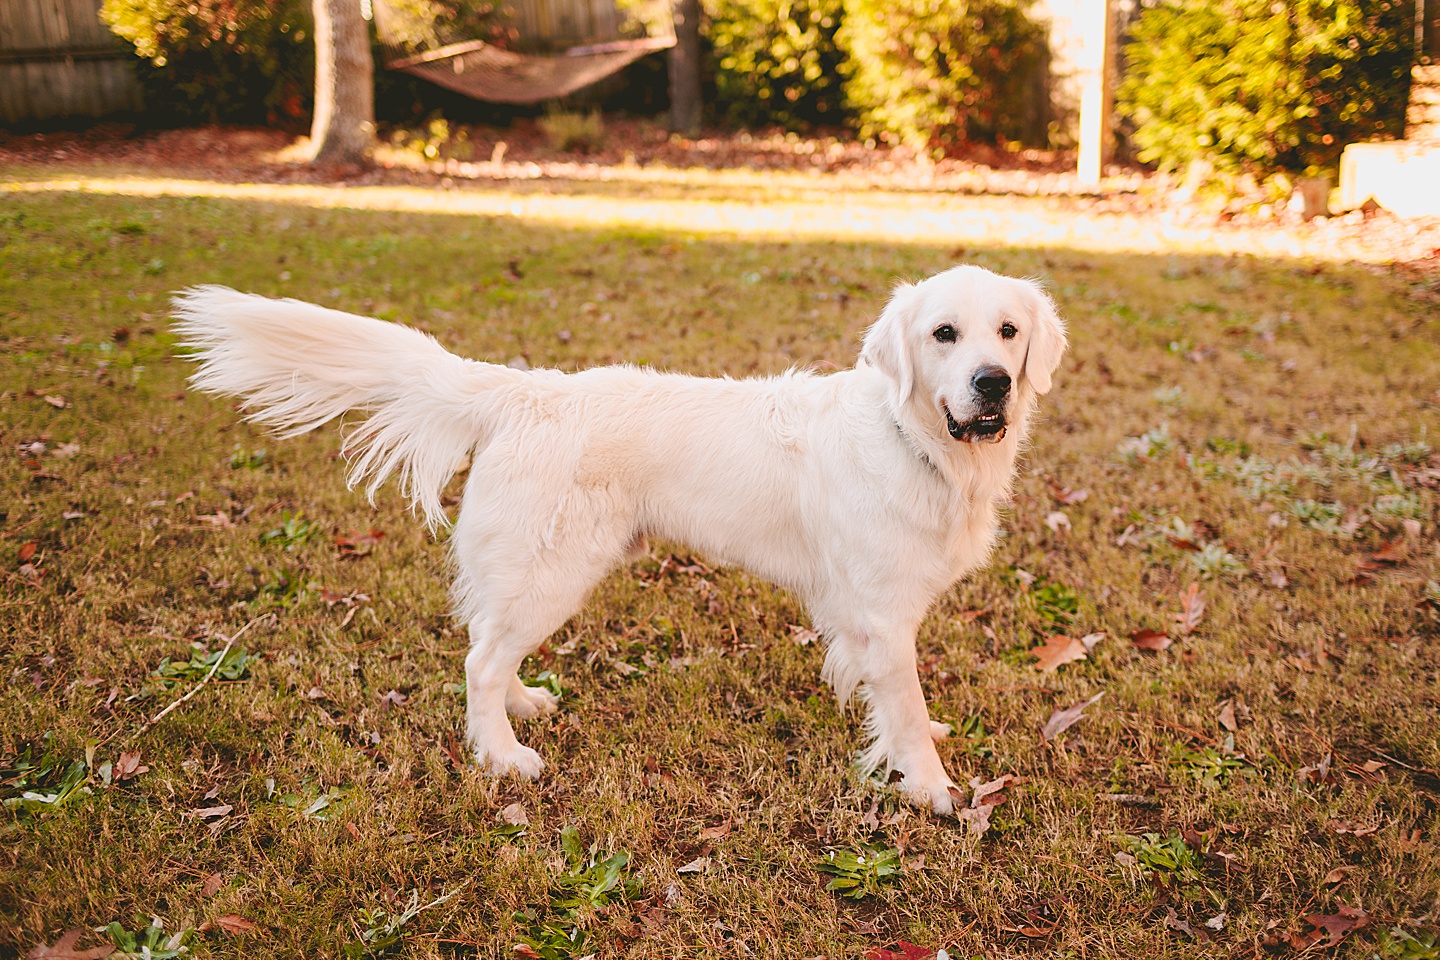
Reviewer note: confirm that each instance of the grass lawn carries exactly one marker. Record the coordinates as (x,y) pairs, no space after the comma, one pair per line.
(1248,434)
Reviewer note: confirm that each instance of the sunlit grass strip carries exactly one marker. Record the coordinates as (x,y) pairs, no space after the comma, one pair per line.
(872,216)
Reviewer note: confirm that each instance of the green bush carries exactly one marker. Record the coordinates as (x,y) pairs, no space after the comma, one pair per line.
(220,60)
(776,61)
(935,73)
(1253,85)
(415,25)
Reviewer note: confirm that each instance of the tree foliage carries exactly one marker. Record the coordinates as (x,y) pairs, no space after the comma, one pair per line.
(214,60)
(777,61)
(935,73)
(1264,86)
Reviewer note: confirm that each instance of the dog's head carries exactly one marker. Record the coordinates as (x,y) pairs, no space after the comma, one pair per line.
(967,346)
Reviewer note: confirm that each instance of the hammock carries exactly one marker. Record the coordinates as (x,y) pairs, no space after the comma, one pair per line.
(481,71)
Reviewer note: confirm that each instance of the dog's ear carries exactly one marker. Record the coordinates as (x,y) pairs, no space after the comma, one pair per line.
(1047,339)
(887,343)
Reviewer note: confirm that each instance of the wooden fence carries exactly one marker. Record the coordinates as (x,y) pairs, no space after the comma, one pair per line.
(57,59)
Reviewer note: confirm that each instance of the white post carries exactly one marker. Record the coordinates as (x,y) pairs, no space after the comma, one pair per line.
(1095,22)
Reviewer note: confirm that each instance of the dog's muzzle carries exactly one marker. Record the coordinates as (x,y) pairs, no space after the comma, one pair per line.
(988,427)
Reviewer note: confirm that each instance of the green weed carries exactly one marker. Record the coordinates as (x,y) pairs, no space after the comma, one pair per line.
(861,872)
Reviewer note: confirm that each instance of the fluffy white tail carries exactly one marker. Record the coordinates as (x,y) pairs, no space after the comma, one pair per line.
(295,365)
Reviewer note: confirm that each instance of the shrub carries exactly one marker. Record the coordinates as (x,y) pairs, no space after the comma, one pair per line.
(567,130)
(214,60)
(935,73)
(776,61)
(1262,86)
(414,25)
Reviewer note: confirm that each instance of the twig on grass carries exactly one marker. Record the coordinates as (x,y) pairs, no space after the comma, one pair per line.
(230,642)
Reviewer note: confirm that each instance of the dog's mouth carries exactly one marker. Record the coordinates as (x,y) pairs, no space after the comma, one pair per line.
(988,427)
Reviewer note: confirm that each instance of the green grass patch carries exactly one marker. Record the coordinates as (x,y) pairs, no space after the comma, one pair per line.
(1268,445)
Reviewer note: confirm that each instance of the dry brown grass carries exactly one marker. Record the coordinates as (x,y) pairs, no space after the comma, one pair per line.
(1282,387)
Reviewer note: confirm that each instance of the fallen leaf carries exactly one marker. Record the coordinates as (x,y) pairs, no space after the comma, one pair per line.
(1372,766)
(1354,829)
(27,550)
(904,950)
(1152,640)
(722,831)
(698,865)
(233,923)
(804,636)
(1338,875)
(64,949)
(129,766)
(1336,925)
(514,814)
(1318,773)
(1175,922)
(1057,522)
(355,545)
(1057,651)
(393,698)
(984,792)
(1192,610)
(1068,497)
(58,402)
(1227,716)
(1062,720)
(211,813)
(212,885)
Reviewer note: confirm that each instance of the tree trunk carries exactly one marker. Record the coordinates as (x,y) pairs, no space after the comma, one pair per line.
(685,105)
(344,126)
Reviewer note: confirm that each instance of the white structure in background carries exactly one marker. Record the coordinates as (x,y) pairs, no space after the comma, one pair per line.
(1082,71)
(1403,176)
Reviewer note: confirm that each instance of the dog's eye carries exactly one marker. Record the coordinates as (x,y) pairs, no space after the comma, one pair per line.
(1008,331)
(945,333)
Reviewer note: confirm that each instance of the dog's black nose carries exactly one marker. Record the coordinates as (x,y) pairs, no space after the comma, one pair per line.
(992,383)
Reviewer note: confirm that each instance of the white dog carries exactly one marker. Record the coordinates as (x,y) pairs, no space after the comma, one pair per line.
(867,492)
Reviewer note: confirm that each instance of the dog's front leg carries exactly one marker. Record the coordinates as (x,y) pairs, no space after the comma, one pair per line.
(904,736)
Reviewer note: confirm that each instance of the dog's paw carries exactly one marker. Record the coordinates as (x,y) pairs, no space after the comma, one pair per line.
(939,731)
(528,702)
(941,798)
(520,762)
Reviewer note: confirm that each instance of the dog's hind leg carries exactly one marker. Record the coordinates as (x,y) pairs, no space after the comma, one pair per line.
(504,634)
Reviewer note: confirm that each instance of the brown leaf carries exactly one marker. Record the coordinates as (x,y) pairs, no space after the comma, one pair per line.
(1336,925)
(1317,774)
(1192,610)
(27,550)
(1150,640)
(58,402)
(212,885)
(393,698)
(354,545)
(211,813)
(1227,716)
(514,814)
(1057,651)
(1338,875)
(128,767)
(723,830)
(1354,829)
(233,923)
(64,949)
(1062,720)
(1067,497)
